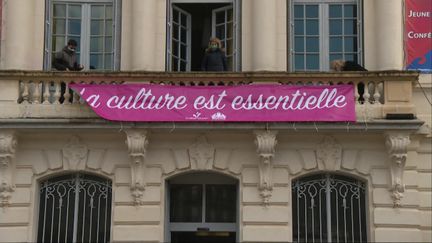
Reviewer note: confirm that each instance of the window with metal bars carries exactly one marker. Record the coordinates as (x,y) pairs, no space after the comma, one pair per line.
(322,31)
(329,208)
(92,24)
(75,208)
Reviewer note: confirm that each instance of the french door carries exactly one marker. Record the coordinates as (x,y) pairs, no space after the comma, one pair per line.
(223,27)
(179,56)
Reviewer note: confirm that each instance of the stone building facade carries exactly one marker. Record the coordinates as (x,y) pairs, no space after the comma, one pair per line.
(246,182)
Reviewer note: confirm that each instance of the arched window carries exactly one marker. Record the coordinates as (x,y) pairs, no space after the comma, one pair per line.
(328,208)
(75,208)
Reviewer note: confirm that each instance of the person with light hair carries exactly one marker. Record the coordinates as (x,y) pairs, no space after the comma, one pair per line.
(215,59)
(341,65)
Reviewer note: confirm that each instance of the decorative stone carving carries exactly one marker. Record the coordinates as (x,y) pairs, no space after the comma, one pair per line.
(397,149)
(329,154)
(137,141)
(265,142)
(74,154)
(8,143)
(201,154)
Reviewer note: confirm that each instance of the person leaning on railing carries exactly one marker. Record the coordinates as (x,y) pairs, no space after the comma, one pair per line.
(66,59)
(341,65)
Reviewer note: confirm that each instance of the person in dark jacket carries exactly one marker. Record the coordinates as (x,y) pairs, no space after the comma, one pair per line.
(341,65)
(214,58)
(66,59)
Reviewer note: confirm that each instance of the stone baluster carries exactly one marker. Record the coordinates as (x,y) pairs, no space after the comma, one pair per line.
(46,93)
(25,93)
(356,93)
(66,94)
(36,92)
(377,94)
(366,94)
(57,93)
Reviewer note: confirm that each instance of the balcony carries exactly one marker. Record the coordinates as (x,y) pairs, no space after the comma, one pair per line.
(29,97)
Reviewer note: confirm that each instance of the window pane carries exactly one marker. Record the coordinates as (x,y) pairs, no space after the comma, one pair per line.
(312,27)
(229,47)
(229,15)
(335,11)
(312,44)
(108,44)
(221,203)
(335,44)
(350,44)
(96,61)
(183,66)
(59,27)
(96,44)
(351,57)
(174,64)
(350,11)
(336,57)
(220,32)
(109,12)
(350,27)
(311,11)
(298,11)
(108,61)
(74,27)
(335,27)
(183,20)
(183,53)
(175,32)
(299,62)
(175,49)
(312,62)
(220,17)
(97,27)
(59,10)
(108,27)
(299,44)
(298,27)
(183,35)
(230,30)
(74,11)
(186,203)
(176,16)
(58,43)
(97,12)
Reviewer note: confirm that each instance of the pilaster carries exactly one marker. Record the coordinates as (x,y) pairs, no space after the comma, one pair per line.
(8,143)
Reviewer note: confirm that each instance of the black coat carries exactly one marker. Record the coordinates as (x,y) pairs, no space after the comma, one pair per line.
(353,66)
(66,59)
(214,61)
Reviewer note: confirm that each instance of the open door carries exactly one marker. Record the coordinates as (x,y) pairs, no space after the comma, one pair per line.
(224,27)
(179,50)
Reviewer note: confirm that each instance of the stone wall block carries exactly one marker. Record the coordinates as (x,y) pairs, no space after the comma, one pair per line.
(269,214)
(222,158)
(54,158)
(349,159)
(96,158)
(136,233)
(181,158)
(266,233)
(240,158)
(309,159)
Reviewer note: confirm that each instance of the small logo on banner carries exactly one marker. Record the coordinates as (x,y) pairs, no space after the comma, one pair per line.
(218,117)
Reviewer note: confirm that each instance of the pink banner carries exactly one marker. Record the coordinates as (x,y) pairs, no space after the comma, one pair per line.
(260,103)
(418,35)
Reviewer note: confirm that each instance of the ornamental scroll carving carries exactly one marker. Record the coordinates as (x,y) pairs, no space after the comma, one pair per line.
(329,154)
(201,154)
(137,141)
(397,149)
(266,143)
(74,154)
(8,143)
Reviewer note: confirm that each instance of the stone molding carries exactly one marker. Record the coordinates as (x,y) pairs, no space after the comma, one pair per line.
(8,144)
(201,154)
(397,146)
(137,141)
(329,154)
(75,154)
(266,143)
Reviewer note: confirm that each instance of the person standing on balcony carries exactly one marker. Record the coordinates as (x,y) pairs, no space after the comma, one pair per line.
(214,58)
(66,59)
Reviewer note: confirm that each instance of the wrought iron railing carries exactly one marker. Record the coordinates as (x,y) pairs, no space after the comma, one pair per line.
(37,94)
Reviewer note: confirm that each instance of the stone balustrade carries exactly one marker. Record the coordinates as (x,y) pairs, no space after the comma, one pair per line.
(38,94)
